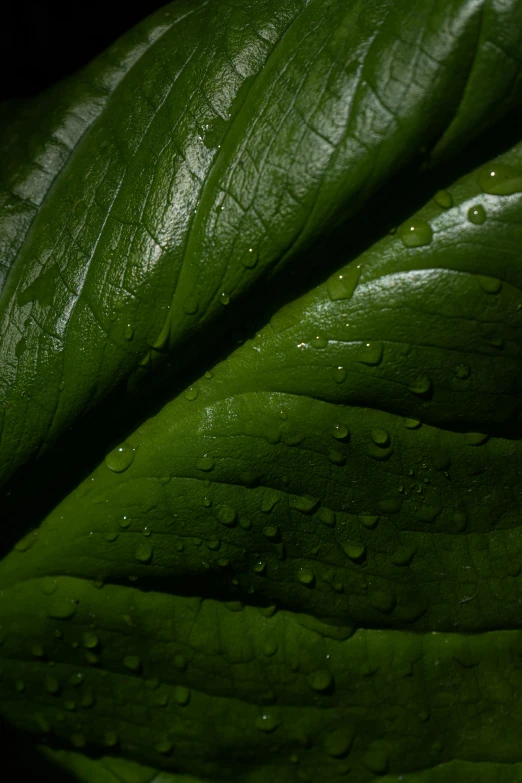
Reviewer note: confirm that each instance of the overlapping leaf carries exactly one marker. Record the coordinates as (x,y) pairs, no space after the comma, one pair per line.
(307,564)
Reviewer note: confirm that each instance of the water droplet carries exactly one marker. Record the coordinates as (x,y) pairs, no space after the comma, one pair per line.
(91,657)
(78,740)
(180,662)
(267,723)
(376,761)
(383,601)
(163,746)
(224,298)
(271,532)
(146,531)
(336,457)
(129,332)
(412,424)
(87,699)
(319,341)
(306,577)
(500,179)
(421,385)
(416,233)
(249,260)
(20,686)
(477,214)
(207,502)
(443,198)
(369,522)
(192,393)
(124,522)
(90,640)
(227,516)
(460,520)
(181,695)
(69,705)
(205,463)
(339,375)
(340,431)
(338,743)
(209,375)
(110,739)
(260,567)
(269,501)
(51,684)
(403,556)
(144,552)
(132,662)
(304,503)
(327,517)
(490,285)
(62,608)
(342,284)
(355,550)
(462,372)
(270,647)
(380,437)
(190,305)
(120,458)
(48,585)
(320,680)
(38,651)
(111,536)
(26,542)
(369,353)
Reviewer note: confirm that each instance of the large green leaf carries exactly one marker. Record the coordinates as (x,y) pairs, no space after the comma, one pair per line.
(221,137)
(306,564)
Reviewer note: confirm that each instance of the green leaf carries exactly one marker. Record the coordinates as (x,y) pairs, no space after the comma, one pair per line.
(216,137)
(302,563)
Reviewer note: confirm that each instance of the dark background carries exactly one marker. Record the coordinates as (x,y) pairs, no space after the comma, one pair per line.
(41,42)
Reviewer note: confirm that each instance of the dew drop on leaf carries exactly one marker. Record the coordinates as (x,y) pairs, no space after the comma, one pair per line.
(205,463)
(120,458)
(342,284)
(421,385)
(266,723)
(380,437)
(192,393)
(51,684)
(90,640)
(340,431)
(163,746)
(62,608)
(78,740)
(132,662)
(477,214)
(227,516)
(327,517)
(370,353)
(354,550)
(369,522)
(306,577)
(500,179)
(320,680)
(443,198)
(181,695)
(190,305)
(339,375)
(338,743)
(416,233)
(144,552)
(110,739)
